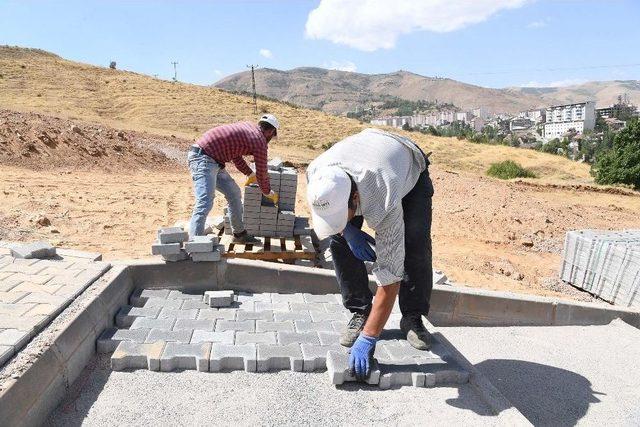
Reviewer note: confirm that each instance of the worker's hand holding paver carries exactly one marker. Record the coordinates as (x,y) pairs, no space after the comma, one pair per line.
(358,242)
(361,356)
(273,197)
(251,179)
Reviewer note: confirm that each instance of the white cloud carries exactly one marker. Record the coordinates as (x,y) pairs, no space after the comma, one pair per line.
(369,25)
(266,53)
(341,66)
(557,83)
(537,24)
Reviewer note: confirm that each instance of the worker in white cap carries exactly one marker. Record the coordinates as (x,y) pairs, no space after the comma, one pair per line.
(383,179)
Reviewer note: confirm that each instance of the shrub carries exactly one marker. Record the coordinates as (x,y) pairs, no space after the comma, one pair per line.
(509,170)
(621,164)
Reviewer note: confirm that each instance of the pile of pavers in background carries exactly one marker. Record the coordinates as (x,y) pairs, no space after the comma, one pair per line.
(166,330)
(200,248)
(605,264)
(263,219)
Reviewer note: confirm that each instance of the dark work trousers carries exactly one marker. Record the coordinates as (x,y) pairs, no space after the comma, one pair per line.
(415,288)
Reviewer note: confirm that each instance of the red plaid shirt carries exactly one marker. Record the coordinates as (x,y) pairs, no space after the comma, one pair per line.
(228,143)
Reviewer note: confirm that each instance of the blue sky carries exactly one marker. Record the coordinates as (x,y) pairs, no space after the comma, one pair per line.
(494,43)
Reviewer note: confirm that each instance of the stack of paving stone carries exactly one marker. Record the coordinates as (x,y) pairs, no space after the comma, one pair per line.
(200,248)
(605,264)
(166,330)
(262,219)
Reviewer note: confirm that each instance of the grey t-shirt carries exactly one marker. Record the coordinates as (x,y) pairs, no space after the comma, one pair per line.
(385,168)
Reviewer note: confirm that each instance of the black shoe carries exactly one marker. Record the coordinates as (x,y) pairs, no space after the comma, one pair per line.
(354,327)
(417,334)
(244,237)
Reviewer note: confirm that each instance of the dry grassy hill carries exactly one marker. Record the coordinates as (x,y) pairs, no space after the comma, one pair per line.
(34,80)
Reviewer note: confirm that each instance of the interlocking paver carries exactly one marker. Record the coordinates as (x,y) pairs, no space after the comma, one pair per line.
(217,314)
(190,324)
(254,315)
(329,338)
(127,314)
(182,335)
(150,323)
(329,298)
(15,309)
(304,326)
(286,338)
(158,302)
(219,298)
(303,306)
(185,356)
(110,338)
(132,355)
(177,313)
(14,337)
(287,298)
(6,351)
(235,325)
(293,315)
(318,316)
(226,357)
(338,369)
(279,357)
(271,306)
(315,356)
(267,326)
(189,304)
(199,336)
(243,337)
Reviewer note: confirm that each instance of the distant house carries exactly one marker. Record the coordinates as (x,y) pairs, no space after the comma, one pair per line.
(562,118)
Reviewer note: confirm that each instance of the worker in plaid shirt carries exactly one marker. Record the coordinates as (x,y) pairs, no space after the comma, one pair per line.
(207,159)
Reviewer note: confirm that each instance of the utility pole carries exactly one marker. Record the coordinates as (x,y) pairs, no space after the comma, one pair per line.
(175,71)
(253,84)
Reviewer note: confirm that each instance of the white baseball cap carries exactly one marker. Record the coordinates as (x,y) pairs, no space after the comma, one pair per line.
(271,119)
(328,192)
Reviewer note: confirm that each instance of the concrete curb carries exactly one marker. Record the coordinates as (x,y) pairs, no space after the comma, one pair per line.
(46,368)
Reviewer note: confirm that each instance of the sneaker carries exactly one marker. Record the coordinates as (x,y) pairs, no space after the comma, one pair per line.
(244,237)
(417,334)
(354,327)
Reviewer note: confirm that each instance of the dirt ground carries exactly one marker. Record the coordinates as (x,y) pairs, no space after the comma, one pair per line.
(486,233)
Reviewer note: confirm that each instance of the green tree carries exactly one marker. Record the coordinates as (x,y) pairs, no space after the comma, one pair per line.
(621,164)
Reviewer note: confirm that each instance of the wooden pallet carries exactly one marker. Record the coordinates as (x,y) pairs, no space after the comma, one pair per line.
(270,248)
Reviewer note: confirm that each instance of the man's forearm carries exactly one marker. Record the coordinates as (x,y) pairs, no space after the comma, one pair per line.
(382,306)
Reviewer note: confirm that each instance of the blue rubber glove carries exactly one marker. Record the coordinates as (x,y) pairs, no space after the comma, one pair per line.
(361,356)
(359,241)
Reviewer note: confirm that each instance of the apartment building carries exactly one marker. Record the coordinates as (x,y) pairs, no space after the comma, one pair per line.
(561,118)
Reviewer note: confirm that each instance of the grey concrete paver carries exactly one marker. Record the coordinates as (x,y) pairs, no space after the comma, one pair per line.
(200,336)
(185,356)
(225,357)
(191,324)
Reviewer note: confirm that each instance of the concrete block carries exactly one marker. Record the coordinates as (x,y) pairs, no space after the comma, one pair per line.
(286,338)
(111,337)
(226,357)
(278,357)
(304,326)
(165,248)
(33,250)
(178,356)
(181,336)
(232,325)
(200,336)
(338,369)
(267,326)
(132,355)
(206,256)
(181,256)
(170,313)
(255,315)
(408,353)
(127,314)
(149,323)
(191,324)
(219,298)
(314,357)
(201,244)
(274,165)
(172,235)
(243,337)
